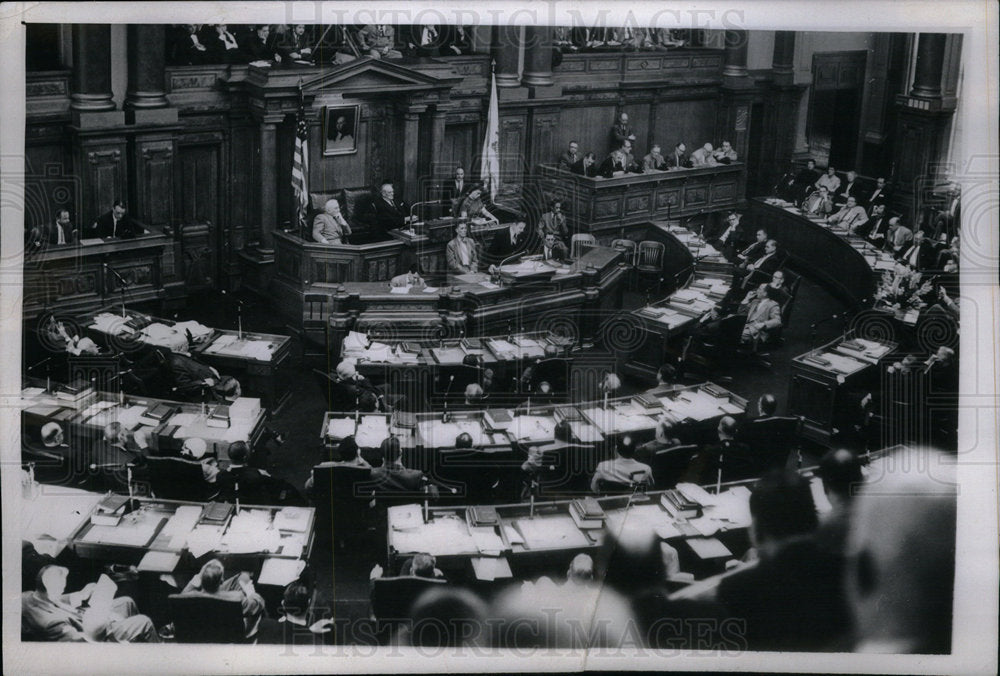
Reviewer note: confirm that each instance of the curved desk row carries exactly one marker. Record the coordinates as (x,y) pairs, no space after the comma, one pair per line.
(845,264)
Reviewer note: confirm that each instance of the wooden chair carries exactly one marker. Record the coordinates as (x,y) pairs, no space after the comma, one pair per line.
(578,242)
(176,479)
(200,618)
(630,250)
(649,261)
(392,598)
(669,464)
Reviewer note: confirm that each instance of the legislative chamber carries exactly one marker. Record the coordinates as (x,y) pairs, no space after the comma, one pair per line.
(331,330)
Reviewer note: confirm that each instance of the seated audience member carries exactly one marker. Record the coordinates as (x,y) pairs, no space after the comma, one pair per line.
(623,468)
(507,243)
(614,164)
(919,255)
(898,237)
(464,440)
(763,316)
(610,384)
(678,159)
(755,250)
(654,161)
(725,154)
(296,622)
(392,476)
(195,381)
(876,227)
(878,196)
(223,47)
(851,216)
(901,558)
(664,439)
(728,459)
(115,223)
(818,203)
(421,565)
(109,459)
(356,387)
(570,157)
(666,381)
(58,232)
(802,182)
(50,614)
(768,261)
(791,598)
(554,221)
(457,40)
(472,206)
(409,278)
(242,481)
(949,218)
(848,189)
(196,451)
(830,180)
(462,252)
(424,40)
(631,165)
(346,454)
(586,166)
(378,41)
(209,582)
(258,46)
(474,396)
(388,213)
(330,226)
(187,48)
(703,157)
(297,44)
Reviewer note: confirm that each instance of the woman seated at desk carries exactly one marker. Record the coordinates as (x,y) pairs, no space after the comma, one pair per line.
(462,252)
(472,206)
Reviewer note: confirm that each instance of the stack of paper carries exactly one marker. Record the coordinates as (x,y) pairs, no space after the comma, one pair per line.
(280,572)
(444,536)
(532,428)
(196,329)
(339,428)
(372,431)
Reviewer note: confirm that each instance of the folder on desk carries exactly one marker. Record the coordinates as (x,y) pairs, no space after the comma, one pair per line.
(159,562)
(489,568)
(280,572)
(708,548)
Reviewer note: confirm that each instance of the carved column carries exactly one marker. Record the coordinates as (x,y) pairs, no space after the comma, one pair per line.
(92,68)
(439,120)
(507,54)
(930,62)
(783,59)
(146,59)
(538,56)
(268,166)
(735,63)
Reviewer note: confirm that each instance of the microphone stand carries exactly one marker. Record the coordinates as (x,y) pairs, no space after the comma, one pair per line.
(121,281)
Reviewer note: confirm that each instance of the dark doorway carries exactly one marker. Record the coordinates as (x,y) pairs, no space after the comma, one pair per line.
(835,107)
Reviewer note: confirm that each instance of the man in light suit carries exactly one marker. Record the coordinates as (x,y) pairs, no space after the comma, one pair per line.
(461,252)
(570,157)
(898,237)
(763,316)
(818,203)
(850,215)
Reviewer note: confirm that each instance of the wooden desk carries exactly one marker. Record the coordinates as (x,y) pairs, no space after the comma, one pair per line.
(822,379)
(263,538)
(258,360)
(475,306)
(543,538)
(72,278)
(83,421)
(605,206)
(842,262)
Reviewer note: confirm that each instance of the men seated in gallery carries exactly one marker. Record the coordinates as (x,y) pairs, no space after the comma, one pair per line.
(570,157)
(388,212)
(473,207)
(848,189)
(258,47)
(57,232)
(703,157)
(552,250)
(355,390)
(615,164)
(462,252)
(725,154)
(115,223)
(830,180)
(392,476)
(378,41)
(654,161)
(586,166)
(678,158)
(818,203)
(330,226)
(209,582)
(851,216)
(50,614)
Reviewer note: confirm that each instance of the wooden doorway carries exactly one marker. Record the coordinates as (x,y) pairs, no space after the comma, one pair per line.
(835,107)
(200,214)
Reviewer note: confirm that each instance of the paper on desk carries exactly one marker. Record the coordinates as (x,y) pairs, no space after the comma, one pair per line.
(31,392)
(196,329)
(405,517)
(551,532)
(513,535)
(488,285)
(444,536)
(372,431)
(292,547)
(491,568)
(203,539)
(292,519)
(159,562)
(696,493)
(705,525)
(183,419)
(438,434)
(280,572)
(183,520)
(430,289)
(487,541)
(129,416)
(105,322)
(400,290)
(532,428)
(339,428)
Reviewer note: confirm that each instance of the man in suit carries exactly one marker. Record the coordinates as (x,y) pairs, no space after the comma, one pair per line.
(553,221)
(830,180)
(570,157)
(506,244)
(874,230)
(763,316)
(919,255)
(330,227)
(678,158)
(878,196)
(455,41)
(209,582)
(779,291)
(726,154)
(454,189)
(389,213)
(804,180)
(297,44)
(552,250)
(223,47)
(472,206)
(818,203)
(53,234)
(755,250)
(586,166)
(654,161)
(378,41)
(392,476)
(623,468)
(195,381)
(115,223)
(851,216)
(730,238)
(847,190)
(355,388)
(728,456)
(621,131)
(188,48)
(760,270)
(462,252)
(259,47)
(703,156)
(950,217)
(424,40)
(898,237)
(614,164)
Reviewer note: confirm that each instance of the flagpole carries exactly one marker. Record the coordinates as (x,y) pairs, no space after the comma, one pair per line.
(489,168)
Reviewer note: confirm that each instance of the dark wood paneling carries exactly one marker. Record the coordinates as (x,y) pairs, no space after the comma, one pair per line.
(101,167)
(459,145)
(590,126)
(199,204)
(154,165)
(692,122)
(512,148)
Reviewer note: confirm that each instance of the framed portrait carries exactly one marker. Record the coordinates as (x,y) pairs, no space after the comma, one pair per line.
(340,130)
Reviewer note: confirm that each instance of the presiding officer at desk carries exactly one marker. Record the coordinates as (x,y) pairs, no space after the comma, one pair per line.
(330,227)
(472,206)
(462,252)
(115,223)
(389,213)
(507,244)
(61,231)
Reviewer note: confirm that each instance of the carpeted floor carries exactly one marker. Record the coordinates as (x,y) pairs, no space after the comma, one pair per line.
(342,574)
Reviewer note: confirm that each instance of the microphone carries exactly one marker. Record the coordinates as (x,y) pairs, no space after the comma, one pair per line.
(121,280)
(447,391)
(34,366)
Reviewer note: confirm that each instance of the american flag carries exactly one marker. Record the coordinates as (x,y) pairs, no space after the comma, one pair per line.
(300,163)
